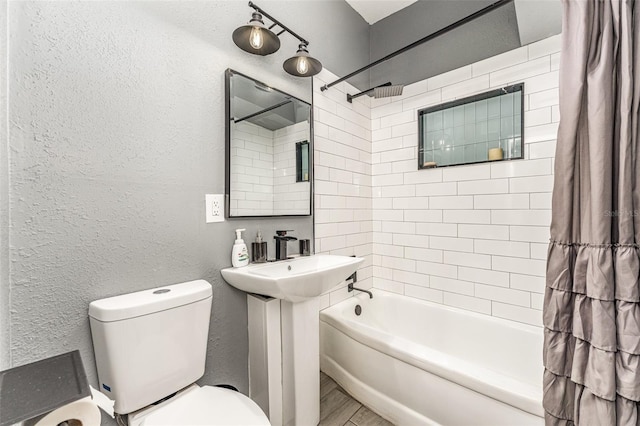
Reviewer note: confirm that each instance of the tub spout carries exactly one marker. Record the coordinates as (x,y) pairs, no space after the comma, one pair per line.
(350,288)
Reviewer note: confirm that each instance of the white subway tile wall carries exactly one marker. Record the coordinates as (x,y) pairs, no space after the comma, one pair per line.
(289,196)
(264,164)
(474,237)
(343,210)
(252,163)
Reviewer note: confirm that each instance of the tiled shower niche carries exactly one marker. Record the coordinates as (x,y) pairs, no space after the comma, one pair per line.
(480,128)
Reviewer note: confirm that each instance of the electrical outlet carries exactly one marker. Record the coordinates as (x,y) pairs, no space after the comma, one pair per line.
(214,207)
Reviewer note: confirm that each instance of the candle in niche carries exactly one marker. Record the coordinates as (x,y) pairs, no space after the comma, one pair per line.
(496,154)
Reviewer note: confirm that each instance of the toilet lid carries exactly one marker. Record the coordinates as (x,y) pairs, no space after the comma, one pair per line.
(209,405)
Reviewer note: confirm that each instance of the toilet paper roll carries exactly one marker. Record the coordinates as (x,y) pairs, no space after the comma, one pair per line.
(83,412)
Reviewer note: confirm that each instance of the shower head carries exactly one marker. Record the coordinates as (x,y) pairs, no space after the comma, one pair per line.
(387,91)
(383,91)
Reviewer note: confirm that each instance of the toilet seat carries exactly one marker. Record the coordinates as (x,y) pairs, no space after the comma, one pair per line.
(207,405)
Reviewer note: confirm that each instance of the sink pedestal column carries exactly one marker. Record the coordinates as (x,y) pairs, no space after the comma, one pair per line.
(301,362)
(284,359)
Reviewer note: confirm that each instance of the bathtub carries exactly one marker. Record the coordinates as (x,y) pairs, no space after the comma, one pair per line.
(421,363)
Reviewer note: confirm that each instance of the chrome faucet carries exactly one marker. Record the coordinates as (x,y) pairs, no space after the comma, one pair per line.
(281,238)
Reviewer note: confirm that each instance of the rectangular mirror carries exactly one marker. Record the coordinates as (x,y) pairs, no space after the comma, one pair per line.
(268,150)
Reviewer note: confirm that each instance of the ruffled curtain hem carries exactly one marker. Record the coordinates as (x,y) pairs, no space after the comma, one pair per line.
(592,335)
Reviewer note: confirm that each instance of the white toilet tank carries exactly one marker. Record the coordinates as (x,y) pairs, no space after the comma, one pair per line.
(151,343)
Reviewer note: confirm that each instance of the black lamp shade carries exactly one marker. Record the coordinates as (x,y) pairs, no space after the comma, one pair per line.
(302,64)
(256,38)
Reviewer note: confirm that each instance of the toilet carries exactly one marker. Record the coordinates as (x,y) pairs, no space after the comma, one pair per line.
(150,348)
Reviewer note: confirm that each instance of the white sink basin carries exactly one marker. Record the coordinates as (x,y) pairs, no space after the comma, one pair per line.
(295,280)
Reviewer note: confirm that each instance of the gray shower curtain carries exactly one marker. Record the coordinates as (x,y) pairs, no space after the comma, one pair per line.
(592,300)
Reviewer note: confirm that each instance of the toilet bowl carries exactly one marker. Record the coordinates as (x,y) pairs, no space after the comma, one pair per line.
(150,348)
(206,405)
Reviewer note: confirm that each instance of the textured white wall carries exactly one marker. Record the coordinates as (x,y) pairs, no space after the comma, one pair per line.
(5,329)
(116,133)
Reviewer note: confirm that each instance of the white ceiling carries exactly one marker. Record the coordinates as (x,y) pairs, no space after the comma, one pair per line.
(374,10)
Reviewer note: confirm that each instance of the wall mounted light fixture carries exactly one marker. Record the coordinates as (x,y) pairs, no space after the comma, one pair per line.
(256,38)
(302,64)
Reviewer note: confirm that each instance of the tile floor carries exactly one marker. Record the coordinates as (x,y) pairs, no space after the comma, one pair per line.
(338,408)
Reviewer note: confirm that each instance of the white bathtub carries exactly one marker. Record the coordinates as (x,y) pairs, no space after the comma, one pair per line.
(416,362)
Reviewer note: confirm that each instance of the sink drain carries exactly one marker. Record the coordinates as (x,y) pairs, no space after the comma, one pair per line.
(358,309)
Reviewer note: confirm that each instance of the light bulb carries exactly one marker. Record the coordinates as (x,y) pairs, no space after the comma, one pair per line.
(255,38)
(303,65)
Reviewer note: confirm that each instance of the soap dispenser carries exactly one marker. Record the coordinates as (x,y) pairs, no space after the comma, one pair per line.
(259,250)
(239,255)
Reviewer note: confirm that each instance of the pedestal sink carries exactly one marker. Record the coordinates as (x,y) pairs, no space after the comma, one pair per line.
(283,320)
(295,280)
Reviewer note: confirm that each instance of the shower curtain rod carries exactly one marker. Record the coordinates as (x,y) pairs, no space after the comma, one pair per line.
(425,39)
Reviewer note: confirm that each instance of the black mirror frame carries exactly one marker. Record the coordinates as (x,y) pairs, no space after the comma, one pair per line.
(227,135)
